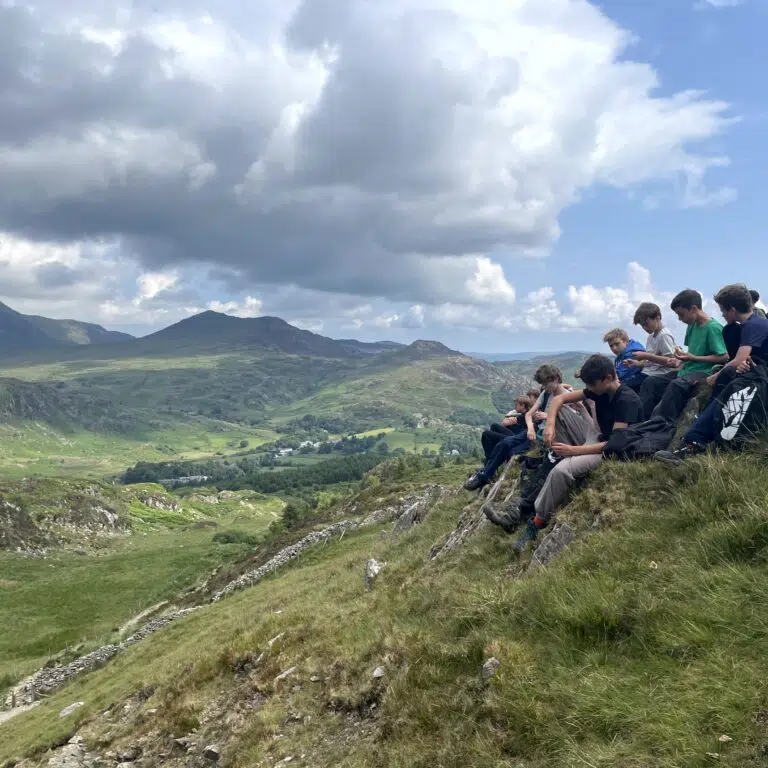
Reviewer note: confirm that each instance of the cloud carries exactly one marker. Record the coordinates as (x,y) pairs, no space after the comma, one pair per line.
(396,150)
(153,283)
(251,307)
(702,4)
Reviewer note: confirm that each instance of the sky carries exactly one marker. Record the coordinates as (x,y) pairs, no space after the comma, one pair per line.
(499,175)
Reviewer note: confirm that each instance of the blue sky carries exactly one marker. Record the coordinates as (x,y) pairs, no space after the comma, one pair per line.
(501,178)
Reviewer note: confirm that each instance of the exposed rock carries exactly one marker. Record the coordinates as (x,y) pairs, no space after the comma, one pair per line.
(67,711)
(372,570)
(416,506)
(129,755)
(212,753)
(182,743)
(471,522)
(551,546)
(284,675)
(418,510)
(490,667)
(50,679)
(378,673)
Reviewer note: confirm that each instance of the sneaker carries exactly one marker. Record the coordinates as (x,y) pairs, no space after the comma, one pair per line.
(676,458)
(530,533)
(476,482)
(506,516)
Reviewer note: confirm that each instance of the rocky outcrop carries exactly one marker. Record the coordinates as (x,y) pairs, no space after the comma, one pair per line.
(551,546)
(473,519)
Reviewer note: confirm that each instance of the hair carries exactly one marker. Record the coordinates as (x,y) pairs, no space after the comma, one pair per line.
(525,401)
(755,296)
(687,299)
(533,394)
(546,374)
(647,311)
(616,334)
(596,368)
(735,297)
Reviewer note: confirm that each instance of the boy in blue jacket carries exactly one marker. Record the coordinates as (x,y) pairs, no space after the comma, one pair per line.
(624,347)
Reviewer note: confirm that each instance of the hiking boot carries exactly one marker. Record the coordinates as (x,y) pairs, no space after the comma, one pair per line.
(676,458)
(506,516)
(476,481)
(530,533)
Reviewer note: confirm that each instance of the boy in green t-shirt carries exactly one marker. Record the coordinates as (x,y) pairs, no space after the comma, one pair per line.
(706,348)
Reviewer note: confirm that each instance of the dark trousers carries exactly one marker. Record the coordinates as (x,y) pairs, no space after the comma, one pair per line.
(505,450)
(493,436)
(703,430)
(652,390)
(677,394)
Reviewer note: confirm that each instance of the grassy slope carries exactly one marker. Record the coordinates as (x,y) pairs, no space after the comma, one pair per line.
(641,646)
(67,599)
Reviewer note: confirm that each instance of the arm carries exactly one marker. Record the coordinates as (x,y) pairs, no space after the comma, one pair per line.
(557,403)
(649,357)
(529,417)
(742,355)
(561,449)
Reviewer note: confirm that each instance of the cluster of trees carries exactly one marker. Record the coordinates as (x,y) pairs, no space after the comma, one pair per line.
(250,473)
(473,417)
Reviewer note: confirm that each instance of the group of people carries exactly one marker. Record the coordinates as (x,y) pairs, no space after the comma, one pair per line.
(641,392)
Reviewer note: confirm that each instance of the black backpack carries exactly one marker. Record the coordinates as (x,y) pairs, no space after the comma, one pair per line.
(640,440)
(742,411)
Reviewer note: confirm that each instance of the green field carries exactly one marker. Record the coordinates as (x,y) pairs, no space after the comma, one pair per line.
(67,600)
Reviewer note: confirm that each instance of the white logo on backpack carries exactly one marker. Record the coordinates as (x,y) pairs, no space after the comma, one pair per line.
(735,410)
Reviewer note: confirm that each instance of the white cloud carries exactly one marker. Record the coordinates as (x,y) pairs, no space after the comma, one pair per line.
(382,150)
(250,307)
(702,4)
(150,284)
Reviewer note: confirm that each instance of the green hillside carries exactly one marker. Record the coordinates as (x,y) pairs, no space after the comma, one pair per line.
(643,644)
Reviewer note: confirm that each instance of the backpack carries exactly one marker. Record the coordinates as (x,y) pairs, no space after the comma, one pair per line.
(640,440)
(742,411)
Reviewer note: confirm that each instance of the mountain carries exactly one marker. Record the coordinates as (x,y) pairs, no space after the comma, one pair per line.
(567,362)
(76,332)
(371,347)
(216,330)
(23,333)
(19,334)
(418,350)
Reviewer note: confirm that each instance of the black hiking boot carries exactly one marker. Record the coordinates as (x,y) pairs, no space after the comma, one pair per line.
(477,481)
(506,516)
(676,458)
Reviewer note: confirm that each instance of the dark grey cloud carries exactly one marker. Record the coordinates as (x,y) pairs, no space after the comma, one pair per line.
(370,149)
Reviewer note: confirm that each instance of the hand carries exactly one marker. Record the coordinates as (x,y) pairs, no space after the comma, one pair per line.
(531,435)
(745,367)
(712,379)
(549,434)
(632,363)
(681,354)
(508,421)
(562,449)
(540,416)
(673,362)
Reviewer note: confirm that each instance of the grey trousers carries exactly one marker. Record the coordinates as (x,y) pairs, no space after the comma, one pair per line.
(572,429)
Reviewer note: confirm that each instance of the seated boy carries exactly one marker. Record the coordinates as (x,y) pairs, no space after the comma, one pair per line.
(551,380)
(624,347)
(512,424)
(736,304)
(578,452)
(706,348)
(652,364)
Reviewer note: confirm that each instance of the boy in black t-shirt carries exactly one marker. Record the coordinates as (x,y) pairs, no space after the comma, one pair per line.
(616,407)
